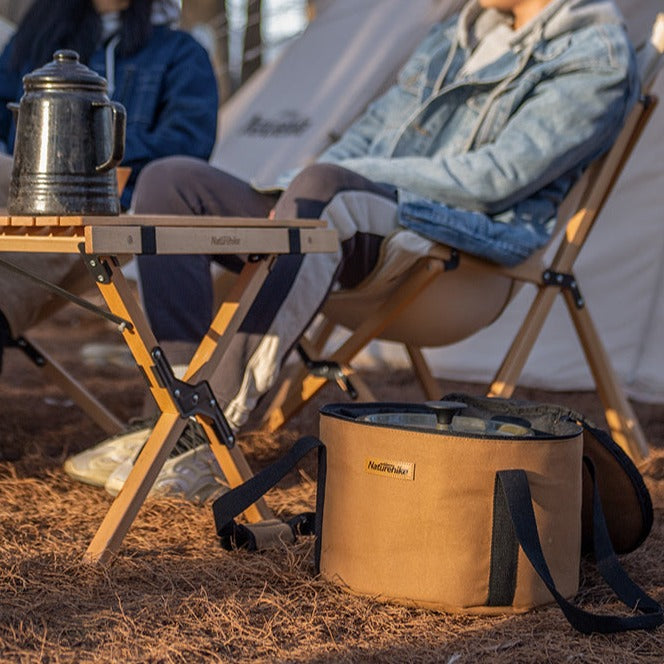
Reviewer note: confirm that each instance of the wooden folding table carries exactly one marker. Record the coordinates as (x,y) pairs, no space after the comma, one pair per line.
(100,240)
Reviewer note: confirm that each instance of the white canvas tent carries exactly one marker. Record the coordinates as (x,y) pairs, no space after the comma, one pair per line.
(295,107)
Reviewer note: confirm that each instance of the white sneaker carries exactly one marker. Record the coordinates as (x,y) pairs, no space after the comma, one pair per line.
(194,475)
(103,354)
(93,466)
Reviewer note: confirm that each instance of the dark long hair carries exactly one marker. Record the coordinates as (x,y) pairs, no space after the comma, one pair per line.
(50,25)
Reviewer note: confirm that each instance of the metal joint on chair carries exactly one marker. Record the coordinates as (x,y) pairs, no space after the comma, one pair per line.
(193,400)
(647,100)
(564,281)
(24,345)
(328,370)
(452,263)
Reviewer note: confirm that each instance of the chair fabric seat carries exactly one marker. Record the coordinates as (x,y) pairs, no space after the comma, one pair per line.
(457,303)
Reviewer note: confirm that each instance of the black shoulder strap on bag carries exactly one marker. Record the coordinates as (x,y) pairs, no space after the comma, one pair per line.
(227,507)
(516,492)
(514,484)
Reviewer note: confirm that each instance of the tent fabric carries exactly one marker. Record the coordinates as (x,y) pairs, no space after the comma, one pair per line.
(294,107)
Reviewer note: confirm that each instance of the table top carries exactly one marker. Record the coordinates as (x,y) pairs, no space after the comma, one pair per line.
(165,234)
(156,220)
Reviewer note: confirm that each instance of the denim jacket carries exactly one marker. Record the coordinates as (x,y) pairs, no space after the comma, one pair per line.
(168,89)
(482,161)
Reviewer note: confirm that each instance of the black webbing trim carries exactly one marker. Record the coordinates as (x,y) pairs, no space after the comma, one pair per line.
(148,240)
(303,523)
(320,503)
(232,504)
(237,536)
(294,245)
(607,561)
(504,553)
(514,484)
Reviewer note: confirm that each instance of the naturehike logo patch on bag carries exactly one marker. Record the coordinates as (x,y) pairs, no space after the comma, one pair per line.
(401,470)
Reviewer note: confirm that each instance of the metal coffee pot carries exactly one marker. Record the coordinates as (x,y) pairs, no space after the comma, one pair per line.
(69,139)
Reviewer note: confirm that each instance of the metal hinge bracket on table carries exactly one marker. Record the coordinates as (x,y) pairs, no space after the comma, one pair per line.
(566,282)
(192,400)
(328,370)
(96,266)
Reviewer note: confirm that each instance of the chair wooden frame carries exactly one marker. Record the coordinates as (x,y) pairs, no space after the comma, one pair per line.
(426,272)
(549,279)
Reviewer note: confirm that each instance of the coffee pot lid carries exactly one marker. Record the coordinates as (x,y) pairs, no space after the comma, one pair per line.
(64,70)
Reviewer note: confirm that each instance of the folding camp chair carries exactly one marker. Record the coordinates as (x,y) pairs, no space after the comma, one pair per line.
(471,293)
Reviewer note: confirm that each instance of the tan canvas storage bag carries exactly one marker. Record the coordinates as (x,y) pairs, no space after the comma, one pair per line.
(472,505)
(414,490)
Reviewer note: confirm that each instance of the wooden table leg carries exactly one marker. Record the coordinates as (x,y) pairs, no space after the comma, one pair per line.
(171,424)
(122,512)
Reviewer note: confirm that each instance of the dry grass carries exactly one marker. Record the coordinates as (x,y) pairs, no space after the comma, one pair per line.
(173,595)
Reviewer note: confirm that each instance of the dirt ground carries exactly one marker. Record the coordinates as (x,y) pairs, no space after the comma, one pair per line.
(173,595)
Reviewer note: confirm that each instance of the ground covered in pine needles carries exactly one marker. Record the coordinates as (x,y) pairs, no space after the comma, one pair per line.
(173,595)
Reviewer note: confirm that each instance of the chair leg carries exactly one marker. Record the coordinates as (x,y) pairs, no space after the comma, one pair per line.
(55,372)
(423,373)
(298,387)
(280,411)
(505,380)
(620,416)
(363,391)
(293,377)
(315,349)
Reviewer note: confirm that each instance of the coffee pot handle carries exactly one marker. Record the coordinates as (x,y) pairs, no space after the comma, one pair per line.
(118,125)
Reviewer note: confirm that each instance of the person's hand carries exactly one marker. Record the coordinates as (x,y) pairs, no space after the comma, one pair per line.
(271,214)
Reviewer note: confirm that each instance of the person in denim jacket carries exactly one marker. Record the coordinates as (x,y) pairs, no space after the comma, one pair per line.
(161,75)
(482,153)
(489,124)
